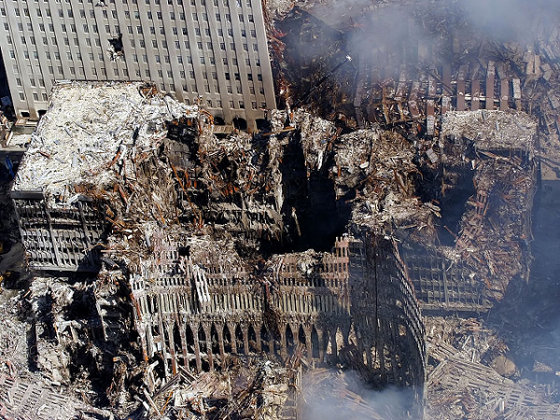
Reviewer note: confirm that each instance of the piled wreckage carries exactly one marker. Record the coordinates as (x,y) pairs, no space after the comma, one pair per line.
(470,377)
(453,88)
(196,241)
(185,273)
(484,162)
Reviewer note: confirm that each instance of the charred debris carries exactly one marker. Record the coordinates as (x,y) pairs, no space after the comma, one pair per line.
(180,270)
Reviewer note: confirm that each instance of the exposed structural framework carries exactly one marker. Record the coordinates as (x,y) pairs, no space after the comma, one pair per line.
(62,231)
(466,115)
(303,302)
(215,49)
(484,179)
(57,238)
(426,100)
(203,244)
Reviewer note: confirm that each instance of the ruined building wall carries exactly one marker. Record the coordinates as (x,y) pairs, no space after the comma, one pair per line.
(353,306)
(62,239)
(387,322)
(485,180)
(241,312)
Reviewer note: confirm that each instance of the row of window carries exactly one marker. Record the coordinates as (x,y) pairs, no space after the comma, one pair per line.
(44,96)
(211,103)
(136,14)
(179,2)
(214,76)
(155,44)
(139,29)
(157,57)
(114,14)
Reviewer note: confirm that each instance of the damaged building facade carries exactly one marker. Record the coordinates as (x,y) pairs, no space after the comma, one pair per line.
(159,221)
(213,50)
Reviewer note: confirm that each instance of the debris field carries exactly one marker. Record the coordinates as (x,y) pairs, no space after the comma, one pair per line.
(351,258)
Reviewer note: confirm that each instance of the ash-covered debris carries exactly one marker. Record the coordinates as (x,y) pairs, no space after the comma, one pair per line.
(470,376)
(377,168)
(250,389)
(25,392)
(216,251)
(92,128)
(222,266)
(484,180)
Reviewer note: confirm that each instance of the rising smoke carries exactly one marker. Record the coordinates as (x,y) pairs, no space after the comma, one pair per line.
(343,395)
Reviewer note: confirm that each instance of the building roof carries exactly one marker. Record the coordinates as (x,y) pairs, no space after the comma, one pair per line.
(493,130)
(90,132)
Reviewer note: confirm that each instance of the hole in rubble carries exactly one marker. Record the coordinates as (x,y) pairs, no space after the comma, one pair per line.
(184,251)
(450,190)
(263,124)
(81,306)
(240,123)
(312,214)
(183,130)
(460,188)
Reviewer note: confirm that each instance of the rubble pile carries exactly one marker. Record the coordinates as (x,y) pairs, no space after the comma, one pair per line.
(257,390)
(24,393)
(378,166)
(13,346)
(188,273)
(483,177)
(451,83)
(214,251)
(469,376)
(116,119)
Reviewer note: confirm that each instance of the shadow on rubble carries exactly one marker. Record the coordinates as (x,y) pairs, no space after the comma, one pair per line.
(312,213)
(69,342)
(12,258)
(528,317)
(450,188)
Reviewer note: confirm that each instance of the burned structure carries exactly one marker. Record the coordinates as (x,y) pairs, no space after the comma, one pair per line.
(484,178)
(184,270)
(474,144)
(204,244)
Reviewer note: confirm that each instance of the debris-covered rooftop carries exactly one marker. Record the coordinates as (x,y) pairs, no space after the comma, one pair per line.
(91,127)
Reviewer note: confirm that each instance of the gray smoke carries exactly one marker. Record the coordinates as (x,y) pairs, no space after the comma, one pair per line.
(512,20)
(343,395)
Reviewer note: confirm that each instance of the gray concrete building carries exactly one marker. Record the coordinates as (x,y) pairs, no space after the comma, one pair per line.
(214,51)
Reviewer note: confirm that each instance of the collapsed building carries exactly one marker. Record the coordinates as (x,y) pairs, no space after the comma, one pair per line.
(484,179)
(300,241)
(182,271)
(202,247)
